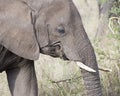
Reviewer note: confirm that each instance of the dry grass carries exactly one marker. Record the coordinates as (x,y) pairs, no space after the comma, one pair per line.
(3,85)
(58,78)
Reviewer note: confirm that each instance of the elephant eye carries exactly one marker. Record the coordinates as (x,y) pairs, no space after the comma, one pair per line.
(61,29)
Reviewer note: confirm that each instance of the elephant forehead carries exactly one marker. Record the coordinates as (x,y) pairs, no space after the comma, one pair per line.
(59,11)
(55,14)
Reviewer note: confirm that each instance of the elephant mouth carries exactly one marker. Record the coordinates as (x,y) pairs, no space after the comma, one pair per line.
(54,50)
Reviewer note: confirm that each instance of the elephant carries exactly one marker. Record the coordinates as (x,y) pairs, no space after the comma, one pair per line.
(52,27)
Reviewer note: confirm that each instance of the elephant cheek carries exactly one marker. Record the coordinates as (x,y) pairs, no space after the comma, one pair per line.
(70,48)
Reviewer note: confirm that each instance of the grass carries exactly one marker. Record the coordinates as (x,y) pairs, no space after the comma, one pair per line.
(3,85)
(58,78)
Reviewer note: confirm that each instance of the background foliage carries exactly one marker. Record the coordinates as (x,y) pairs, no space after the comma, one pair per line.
(108,53)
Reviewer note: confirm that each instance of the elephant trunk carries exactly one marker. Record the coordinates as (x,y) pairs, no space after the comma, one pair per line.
(84,52)
(91,79)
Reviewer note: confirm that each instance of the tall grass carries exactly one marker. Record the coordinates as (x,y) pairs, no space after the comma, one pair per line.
(58,78)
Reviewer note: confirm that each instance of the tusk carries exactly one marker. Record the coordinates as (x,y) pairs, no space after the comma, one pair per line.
(83,66)
(105,69)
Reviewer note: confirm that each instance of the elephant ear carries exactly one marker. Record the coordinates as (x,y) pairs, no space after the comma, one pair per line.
(16,30)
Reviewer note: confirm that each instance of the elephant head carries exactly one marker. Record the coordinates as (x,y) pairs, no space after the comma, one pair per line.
(51,27)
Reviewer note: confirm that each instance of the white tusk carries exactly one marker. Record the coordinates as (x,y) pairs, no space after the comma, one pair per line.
(105,69)
(83,66)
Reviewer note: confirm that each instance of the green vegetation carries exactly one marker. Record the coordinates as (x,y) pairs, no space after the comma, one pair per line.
(116,8)
(103,1)
(108,54)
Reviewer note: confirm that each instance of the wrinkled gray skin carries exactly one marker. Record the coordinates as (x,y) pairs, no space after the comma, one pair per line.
(52,27)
